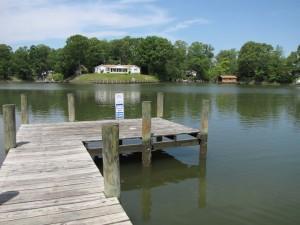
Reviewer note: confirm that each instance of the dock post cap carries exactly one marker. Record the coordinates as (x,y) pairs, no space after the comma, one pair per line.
(109,124)
(8,105)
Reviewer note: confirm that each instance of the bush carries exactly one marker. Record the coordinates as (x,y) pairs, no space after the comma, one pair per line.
(56,77)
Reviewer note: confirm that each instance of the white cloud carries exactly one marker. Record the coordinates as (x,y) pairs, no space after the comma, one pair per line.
(41,20)
(136,1)
(32,20)
(185,24)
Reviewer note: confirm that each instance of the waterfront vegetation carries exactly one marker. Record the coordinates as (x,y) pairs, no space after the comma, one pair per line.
(112,77)
(254,62)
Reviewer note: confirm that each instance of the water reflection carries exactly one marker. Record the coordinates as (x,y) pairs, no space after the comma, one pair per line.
(253,131)
(108,97)
(202,184)
(255,104)
(146,203)
(165,170)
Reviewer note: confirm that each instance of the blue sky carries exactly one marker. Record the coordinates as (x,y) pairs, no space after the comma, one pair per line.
(222,23)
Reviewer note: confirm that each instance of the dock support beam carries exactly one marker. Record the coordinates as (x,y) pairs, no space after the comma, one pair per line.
(160,104)
(24,109)
(204,129)
(9,122)
(111,164)
(146,133)
(71,107)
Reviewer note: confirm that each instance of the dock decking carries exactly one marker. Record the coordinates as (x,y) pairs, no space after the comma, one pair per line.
(50,178)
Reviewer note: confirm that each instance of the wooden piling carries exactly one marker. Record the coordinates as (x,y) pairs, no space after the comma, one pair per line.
(24,109)
(71,107)
(9,122)
(160,104)
(146,133)
(204,129)
(110,155)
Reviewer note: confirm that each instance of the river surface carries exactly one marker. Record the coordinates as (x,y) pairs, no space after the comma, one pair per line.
(252,172)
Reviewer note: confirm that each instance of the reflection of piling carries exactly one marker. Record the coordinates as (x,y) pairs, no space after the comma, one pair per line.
(146,194)
(204,129)
(146,133)
(160,110)
(160,104)
(202,184)
(24,109)
(9,123)
(71,107)
(111,164)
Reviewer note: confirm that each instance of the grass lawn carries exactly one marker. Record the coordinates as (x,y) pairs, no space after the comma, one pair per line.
(97,77)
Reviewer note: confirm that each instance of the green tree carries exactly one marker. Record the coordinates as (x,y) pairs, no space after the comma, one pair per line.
(21,64)
(97,53)
(56,62)
(199,58)
(254,61)
(293,64)
(154,53)
(75,55)
(278,70)
(228,59)
(5,61)
(225,63)
(176,64)
(125,50)
(39,59)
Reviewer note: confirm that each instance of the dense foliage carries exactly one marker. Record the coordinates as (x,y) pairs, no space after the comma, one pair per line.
(155,55)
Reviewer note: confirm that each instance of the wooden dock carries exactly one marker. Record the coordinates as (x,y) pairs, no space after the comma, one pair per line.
(49,176)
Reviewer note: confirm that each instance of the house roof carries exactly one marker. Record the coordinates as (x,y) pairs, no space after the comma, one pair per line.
(228,76)
(122,66)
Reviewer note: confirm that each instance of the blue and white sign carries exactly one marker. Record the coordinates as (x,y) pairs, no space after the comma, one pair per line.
(119,106)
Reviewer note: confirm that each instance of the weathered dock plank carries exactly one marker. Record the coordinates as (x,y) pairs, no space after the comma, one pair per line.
(53,182)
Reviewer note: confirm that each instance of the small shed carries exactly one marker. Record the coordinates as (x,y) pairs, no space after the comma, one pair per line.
(227,79)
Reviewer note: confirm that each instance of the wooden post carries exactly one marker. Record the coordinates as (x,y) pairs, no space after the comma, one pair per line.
(110,155)
(9,122)
(24,109)
(204,129)
(160,104)
(71,107)
(146,133)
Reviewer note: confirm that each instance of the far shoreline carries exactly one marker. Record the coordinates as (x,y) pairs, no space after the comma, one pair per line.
(266,84)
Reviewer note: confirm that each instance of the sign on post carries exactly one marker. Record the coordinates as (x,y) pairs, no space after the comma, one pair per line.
(119,106)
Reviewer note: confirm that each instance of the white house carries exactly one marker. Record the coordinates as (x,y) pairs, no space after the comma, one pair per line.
(117,69)
(191,73)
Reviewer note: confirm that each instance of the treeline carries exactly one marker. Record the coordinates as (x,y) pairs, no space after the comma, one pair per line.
(155,55)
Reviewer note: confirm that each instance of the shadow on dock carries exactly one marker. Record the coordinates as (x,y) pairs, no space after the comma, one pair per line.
(7,196)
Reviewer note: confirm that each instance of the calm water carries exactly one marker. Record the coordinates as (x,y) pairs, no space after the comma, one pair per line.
(251,176)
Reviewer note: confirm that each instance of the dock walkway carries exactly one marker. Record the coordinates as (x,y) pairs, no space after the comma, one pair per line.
(50,178)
